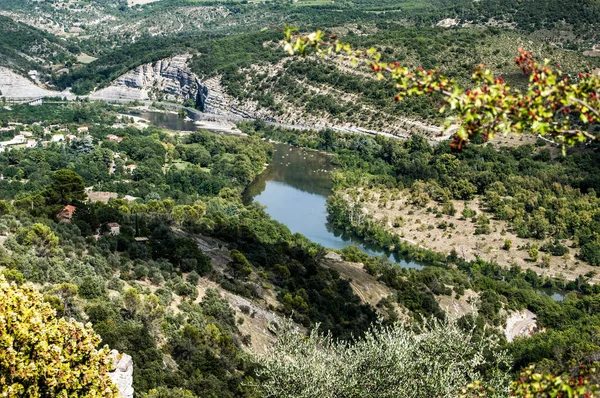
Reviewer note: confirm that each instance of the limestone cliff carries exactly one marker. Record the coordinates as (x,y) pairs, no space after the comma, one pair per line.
(13,85)
(168,79)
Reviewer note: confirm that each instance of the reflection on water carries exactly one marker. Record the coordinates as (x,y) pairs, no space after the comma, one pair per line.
(170,121)
(294,189)
(555,294)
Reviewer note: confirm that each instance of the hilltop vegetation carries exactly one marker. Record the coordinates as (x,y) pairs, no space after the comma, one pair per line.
(145,289)
(24,48)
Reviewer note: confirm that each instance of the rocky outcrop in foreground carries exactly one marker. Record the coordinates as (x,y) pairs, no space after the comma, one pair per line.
(168,79)
(122,376)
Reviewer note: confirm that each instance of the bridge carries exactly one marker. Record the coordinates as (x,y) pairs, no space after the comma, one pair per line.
(25,100)
(35,101)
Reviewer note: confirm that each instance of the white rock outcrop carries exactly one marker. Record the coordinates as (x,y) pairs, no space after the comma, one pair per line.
(520,324)
(13,85)
(122,376)
(170,79)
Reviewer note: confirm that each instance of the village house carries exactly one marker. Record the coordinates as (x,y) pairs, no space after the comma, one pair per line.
(57,138)
(31,144)
(113,137)
(130,168)
(17,140)
(114,228)
(66,214)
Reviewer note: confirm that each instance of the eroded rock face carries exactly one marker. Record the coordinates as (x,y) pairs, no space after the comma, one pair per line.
(122,376)
(168,79)
(17,86)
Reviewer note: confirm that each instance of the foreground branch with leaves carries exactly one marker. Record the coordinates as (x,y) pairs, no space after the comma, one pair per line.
(553,105)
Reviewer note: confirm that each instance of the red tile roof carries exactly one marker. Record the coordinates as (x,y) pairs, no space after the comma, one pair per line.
(66,213)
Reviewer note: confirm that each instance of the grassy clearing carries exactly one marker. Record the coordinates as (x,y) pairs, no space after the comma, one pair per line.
(85,59)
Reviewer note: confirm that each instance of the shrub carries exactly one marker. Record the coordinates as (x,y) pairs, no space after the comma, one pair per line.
(438,361)
(42,356)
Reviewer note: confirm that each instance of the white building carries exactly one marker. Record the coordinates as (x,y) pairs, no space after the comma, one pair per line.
(115,228)
(17,140)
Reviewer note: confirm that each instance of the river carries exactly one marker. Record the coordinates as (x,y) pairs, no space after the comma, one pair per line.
(172,121)
(167,120)
(294,190)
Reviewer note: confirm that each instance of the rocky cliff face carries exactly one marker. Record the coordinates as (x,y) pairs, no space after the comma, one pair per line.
(168,79)
(17,86)
(122,376)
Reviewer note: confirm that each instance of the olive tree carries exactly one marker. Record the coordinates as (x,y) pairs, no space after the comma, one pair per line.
(438,360)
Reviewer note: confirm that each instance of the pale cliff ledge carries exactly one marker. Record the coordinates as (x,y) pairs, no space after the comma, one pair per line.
(122,376)
(13,85)
(168,79)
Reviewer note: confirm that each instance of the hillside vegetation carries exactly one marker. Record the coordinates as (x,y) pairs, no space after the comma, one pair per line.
(24,48)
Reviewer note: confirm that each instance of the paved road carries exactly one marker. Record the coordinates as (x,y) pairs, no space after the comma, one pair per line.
(521,327)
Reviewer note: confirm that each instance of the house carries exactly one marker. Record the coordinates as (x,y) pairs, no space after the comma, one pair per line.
(83,129)
(17,140)
(115,228)
(66,214)
(113,137)
(31,144)
(57,138)
(129,198)
(71,137)
(34,75)
(27,134)
(130,168)
(141,240)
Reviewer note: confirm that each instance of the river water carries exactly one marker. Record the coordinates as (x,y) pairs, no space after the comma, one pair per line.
(294,190)
(167,120)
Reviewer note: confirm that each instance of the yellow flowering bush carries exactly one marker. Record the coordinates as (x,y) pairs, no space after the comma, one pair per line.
(42,356)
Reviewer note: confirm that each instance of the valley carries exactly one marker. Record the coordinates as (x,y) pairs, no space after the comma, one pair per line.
(238,210)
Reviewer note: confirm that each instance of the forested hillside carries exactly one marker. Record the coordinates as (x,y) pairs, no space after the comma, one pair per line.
(24,48)
(465,266)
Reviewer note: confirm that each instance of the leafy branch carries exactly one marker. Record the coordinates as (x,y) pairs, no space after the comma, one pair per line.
(551,106)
